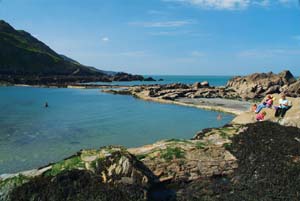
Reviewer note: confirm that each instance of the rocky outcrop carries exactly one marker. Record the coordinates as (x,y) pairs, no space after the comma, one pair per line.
(114,173)
(268,167)
(110,173)
(198,85)
(188,160)
(178,90)
(233,163)
(257,85)
(251,87)
(293,90)
(150,79)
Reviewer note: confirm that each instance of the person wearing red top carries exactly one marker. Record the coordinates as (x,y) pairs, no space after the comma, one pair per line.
(261,116)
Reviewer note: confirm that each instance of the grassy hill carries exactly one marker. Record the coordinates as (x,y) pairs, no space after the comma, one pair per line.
(25,59)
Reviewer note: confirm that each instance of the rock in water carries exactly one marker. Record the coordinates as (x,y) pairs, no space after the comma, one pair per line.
(149,79)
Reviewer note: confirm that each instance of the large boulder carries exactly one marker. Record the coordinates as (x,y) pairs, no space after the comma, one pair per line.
(294,89)
(259,84)
(287,77)
(196,85)
(205,84)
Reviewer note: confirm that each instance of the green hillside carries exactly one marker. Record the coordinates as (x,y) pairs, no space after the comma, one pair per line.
(22,54)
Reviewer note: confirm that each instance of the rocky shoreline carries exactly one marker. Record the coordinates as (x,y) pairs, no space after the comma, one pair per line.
(244,160)
(63,81)
(236,162)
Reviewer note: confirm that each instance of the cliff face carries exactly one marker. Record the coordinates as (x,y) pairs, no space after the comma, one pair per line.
(26,60)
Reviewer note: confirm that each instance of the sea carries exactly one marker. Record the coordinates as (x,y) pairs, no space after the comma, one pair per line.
(32,136)
(169,79)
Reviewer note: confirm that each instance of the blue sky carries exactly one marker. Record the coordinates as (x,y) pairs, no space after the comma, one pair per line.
(189,37)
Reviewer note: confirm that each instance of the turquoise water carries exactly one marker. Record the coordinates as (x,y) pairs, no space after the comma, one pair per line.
(32,136)
(167,79)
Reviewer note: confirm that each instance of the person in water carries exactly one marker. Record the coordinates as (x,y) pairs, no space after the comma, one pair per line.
(219,117)
(46,104)
(284,105)
(261,116)
(265,104)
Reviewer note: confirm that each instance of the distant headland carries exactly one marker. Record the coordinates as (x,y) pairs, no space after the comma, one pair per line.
(26,60)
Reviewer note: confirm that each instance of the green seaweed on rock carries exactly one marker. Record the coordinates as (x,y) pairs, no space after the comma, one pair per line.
(172,153)
(68,164)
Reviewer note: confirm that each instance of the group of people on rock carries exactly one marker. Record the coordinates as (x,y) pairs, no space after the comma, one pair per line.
(280,110)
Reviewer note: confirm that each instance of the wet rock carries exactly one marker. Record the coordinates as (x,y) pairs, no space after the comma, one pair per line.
(264,150)
(148,79)
(77,185)
(110,173)
(205,84)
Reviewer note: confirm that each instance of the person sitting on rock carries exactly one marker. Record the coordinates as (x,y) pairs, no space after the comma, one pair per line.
(265,104)
(261,116)
(254,107)
(284,105)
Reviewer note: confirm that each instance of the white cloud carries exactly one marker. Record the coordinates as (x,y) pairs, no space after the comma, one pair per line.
(263,3)
(176,23)
(137,53)
(286,1)
(105,39)
(156,12)
(197,53)
(165,33)
(133,54)
(216,4)
(232,4)
(297,37)
(263,53)
(179,33)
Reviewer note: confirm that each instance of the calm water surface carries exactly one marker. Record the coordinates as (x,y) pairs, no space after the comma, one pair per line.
(31,135)
(168,79)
